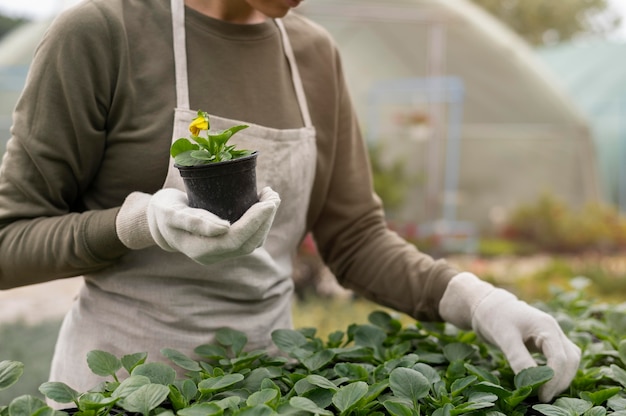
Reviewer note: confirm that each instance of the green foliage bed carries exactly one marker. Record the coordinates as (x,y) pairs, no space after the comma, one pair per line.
(378,368)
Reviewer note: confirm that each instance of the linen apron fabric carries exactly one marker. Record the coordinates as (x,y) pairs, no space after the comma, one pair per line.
(152,299)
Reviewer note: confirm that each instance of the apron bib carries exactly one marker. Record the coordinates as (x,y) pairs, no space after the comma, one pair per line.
(152,299)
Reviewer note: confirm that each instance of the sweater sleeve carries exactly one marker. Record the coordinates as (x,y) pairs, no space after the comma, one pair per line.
(347,218)
(57,141)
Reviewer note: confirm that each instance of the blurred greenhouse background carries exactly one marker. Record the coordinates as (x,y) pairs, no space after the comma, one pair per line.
(495,140)
(465,104)
(470,119)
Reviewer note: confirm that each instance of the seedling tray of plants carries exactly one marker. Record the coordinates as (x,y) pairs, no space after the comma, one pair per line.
(378,368)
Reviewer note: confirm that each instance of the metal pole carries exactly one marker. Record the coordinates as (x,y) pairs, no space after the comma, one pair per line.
(453,153)
(436,68)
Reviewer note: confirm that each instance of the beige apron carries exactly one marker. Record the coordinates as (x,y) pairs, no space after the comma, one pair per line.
(152,299)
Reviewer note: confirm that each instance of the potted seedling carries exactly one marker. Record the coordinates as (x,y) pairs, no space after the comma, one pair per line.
(217,176)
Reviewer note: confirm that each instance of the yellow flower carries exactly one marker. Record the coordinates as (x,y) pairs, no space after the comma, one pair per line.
(198,124)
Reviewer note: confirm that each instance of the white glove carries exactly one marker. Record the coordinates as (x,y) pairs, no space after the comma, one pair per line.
(501,319)
(165,219)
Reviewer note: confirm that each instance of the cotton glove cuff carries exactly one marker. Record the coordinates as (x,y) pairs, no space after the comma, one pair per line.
(518,329)
(464,293)
(131,222)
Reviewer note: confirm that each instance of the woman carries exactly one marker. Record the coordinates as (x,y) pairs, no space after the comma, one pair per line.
(86,188)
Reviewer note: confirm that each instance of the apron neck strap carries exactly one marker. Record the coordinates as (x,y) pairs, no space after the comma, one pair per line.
(295,74)
(180,62)
(180,54)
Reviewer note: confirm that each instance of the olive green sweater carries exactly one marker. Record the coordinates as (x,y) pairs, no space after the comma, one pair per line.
(94,123)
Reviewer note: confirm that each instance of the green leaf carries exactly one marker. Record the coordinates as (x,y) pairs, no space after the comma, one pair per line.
(94,401)
(223,156)
(600,396)
(618,374)
(181,359)
(302,386)
(456,369)
(369,336)
(621,348)
(427,371)
(616,320)
(576,406)
(551,410)
(103,363)
(10,372)
(407,360)
(261,397)
(186,159)
(335,338)
(130,361)
(189,389)
(288,340)
(176,398)
(457,351)
(202,155)
(181,146)
(239,153)
(219,138)
(211,351)
(201,409)
(145,398)
(48,411)
(320,381)
(482,373)
(158,373)
(409,384)
(231,402)
(307,405)
(235,129)
(318,360)
(374,390)
(260,410)
(25,405)
(496,389)
(517,396)
(352,372)
(471,406)
(234,339)
(596,411)
(385,321)
(481,396)
(129,385)
(461,384)
(256,378)
(59,392)
(397,409)
(245,360)
(432,358)
(446,410)
(214,384)
(617,403)
(533,376)
(348,396)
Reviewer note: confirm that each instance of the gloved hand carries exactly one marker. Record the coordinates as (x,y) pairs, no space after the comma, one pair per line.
(500,318)
(165,219)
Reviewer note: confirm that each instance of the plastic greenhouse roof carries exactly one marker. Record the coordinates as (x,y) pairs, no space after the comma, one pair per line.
(504,79)
(594,73)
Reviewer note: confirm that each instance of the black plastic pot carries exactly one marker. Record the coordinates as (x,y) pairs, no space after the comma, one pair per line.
(226,189)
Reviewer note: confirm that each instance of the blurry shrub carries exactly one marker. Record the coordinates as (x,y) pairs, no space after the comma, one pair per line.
(494,247)
(551,225)
(606,281)
(391,182)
